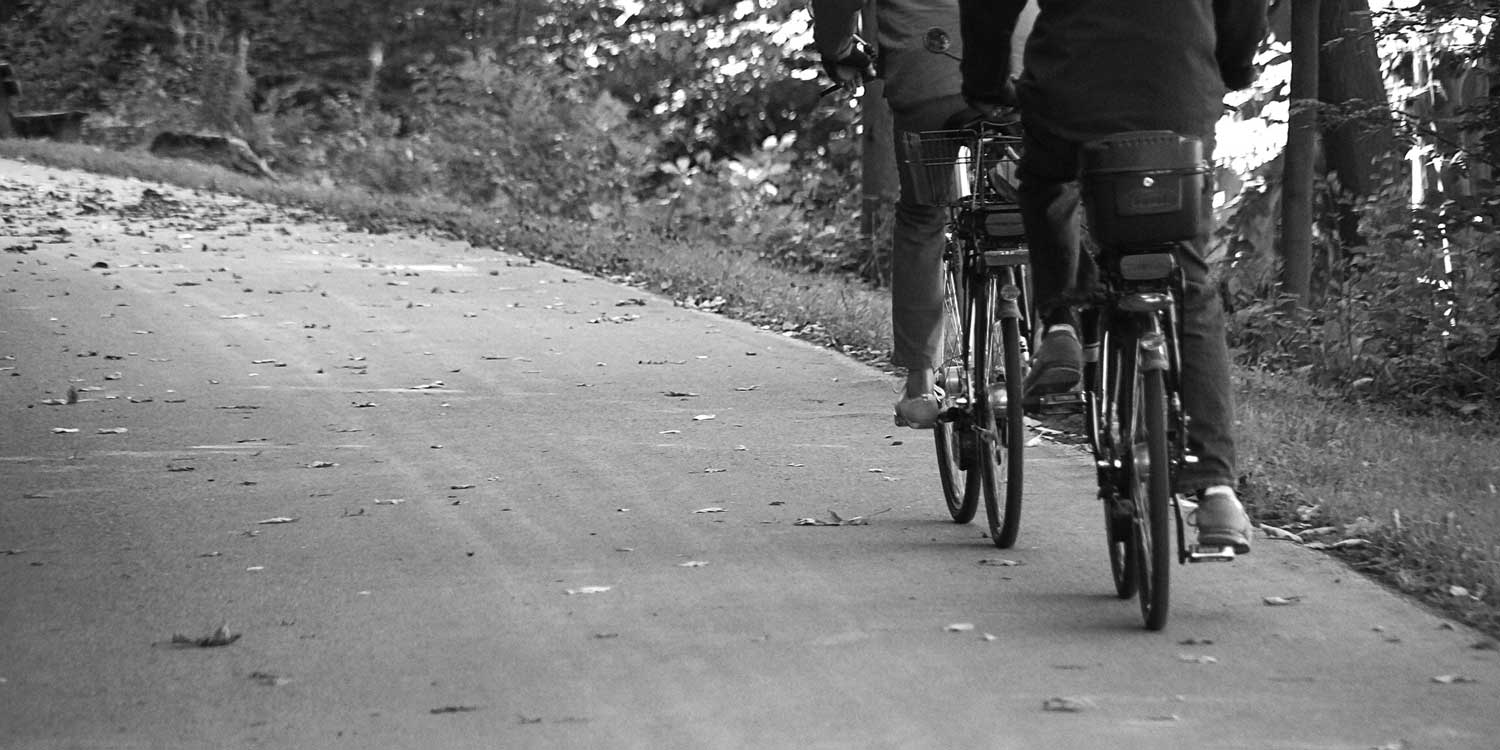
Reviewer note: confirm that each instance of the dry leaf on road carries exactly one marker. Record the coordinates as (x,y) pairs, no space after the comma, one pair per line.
(220,637)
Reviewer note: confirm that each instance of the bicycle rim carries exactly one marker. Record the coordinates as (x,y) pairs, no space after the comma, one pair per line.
(954,451)
(1151,491)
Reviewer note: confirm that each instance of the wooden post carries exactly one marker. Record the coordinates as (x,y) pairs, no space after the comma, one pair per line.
(9,91)
(878,179)
(1297,175)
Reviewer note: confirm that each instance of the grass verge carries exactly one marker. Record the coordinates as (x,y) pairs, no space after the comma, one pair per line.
(1410,501)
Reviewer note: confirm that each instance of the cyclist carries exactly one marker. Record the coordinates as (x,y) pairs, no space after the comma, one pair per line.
(1094,68)
(922,89)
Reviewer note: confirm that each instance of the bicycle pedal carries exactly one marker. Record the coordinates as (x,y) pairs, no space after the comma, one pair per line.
(1214,553)
(1060,403)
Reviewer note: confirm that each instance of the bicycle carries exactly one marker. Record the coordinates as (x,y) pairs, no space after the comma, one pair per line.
(1142,192)
(987,319)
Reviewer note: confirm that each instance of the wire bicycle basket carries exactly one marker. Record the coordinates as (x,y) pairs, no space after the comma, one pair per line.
(959,167)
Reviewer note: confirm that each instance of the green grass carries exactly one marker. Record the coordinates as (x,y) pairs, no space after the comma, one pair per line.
(1420,492)
(1423,492)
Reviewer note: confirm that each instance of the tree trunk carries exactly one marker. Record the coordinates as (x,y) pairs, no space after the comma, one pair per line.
(1490,137)
(376,55)
(1301,145)
(1355,148)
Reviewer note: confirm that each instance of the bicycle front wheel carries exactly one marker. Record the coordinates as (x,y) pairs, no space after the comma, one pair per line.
(993,341)
(1151,493)
(1101,377)
(955,446)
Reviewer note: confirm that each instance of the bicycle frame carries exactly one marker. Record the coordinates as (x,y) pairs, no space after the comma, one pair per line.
(970,173)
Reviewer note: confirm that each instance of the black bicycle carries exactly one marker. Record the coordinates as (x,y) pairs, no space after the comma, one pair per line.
(981,430)
(1143,193)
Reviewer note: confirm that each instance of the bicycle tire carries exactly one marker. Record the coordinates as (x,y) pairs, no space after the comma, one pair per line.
(1101,377)
(1152,495)
(956,471)
(1003,522)
(1013,434)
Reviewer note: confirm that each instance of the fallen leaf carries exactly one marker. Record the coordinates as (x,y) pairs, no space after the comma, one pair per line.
(705,417)
(220,637)
(453,709)
(1278,533)
(960,627)
(278,519)
(112,431)
(1066,705)
(1000,562)
(64,430)
(589,590)
(321,465)
(709,510)
(391,501)
(692,564)
(1197,659)
(1453,679)
(837,520)
(1281,601)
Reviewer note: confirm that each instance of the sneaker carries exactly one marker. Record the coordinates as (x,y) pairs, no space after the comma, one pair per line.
(1058,365)
(918,412)
(1221,520)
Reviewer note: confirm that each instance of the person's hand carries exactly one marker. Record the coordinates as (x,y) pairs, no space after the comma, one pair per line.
(853,68)
(997,106)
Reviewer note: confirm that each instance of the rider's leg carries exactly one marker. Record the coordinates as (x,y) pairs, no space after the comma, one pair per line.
(917,272)
(1208,399)
(1061,273)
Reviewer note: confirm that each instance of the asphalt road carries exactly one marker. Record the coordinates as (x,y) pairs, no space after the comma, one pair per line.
(432,496)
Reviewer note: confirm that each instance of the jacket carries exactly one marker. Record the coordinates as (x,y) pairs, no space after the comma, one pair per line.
(912,74)
(1096,67)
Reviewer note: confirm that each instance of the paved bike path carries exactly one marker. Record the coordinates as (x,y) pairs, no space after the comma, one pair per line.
(532,508)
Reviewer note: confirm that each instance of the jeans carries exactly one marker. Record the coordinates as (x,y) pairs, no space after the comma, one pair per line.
(1063,275)
(917,250)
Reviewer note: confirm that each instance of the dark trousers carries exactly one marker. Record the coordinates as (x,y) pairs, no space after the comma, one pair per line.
(1062,274)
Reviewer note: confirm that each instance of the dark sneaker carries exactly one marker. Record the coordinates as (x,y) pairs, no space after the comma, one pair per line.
(1221,520)
(1058,364)
(918,412)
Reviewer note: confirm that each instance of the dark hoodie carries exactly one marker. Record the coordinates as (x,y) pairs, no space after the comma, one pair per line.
(1096,67)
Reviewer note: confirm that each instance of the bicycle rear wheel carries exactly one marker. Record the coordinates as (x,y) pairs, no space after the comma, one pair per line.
(1151,493)
(955,445)
(993,341)
(1101,376)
